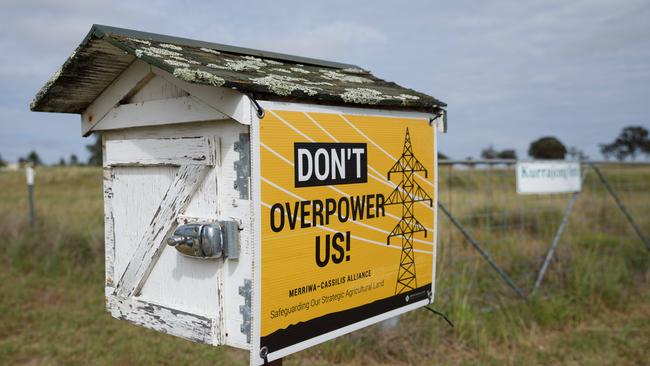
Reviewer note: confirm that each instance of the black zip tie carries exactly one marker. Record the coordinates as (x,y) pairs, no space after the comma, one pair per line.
(440,314)
(257,106)
(264,354)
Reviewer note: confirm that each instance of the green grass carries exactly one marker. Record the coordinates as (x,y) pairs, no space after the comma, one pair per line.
(593,308)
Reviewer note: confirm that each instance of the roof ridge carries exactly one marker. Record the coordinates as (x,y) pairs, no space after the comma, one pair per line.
(100,30)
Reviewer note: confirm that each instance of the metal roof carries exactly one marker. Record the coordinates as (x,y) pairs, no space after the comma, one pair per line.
(107,51)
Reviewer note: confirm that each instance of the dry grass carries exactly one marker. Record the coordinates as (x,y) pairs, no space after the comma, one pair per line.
(593,308)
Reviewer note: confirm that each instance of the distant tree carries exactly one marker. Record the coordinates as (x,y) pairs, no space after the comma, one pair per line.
(547,147)
(489,153)
(631,141)
(74,161)
(95,150)
(576,154)
(492,153)
(33,158)
(507,154)
(61,162)
(442,156)
(2,162)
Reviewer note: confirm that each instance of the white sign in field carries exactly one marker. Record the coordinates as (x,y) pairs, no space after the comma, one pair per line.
(540,177)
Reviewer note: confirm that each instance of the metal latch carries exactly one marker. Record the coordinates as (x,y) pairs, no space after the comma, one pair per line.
(209,240)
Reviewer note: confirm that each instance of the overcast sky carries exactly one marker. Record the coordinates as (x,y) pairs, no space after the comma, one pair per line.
(511,70)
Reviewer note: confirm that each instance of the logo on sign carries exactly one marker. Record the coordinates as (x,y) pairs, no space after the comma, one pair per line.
(324,164)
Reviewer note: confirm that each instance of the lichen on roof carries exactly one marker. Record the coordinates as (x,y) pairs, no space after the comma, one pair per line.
(285,85)
(257,73)
(198,76)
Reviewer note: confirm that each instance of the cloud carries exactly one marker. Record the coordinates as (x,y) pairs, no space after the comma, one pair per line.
(511,71)
(331,40)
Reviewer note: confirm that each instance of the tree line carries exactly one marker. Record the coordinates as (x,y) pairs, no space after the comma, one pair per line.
(631,142)
(94,150)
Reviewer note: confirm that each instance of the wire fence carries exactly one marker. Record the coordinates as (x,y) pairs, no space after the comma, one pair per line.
(488,232)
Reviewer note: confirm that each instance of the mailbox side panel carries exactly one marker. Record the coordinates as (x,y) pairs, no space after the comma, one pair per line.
(197,299)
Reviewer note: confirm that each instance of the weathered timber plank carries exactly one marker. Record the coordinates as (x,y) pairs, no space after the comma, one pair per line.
(158,112)
(137,73)
(229,102)
(175,322)
(162,151)
(109,227)
(148,250)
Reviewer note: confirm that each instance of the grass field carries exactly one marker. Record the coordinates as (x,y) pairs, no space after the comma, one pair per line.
(594,307)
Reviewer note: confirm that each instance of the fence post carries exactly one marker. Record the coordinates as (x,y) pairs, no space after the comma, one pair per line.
(483,253)
(614,195)
(558,235)
(29,171)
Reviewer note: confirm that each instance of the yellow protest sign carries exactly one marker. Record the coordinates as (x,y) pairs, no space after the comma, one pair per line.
(348,221)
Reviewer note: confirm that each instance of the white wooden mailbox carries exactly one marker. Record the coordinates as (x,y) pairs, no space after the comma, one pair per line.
(253,199)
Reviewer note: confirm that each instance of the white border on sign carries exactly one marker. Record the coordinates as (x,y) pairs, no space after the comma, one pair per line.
(300,107)
(256,201)
(345,330)
(546,190)
(435,213)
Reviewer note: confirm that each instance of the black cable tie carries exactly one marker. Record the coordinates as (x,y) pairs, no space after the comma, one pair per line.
(440,314)
(264,354)
(257,106)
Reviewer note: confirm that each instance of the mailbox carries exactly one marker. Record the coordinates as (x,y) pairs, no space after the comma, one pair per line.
(253,199)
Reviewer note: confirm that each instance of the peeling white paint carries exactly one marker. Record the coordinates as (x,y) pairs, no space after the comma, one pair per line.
(198,76)
(171,321)
(167,302)
(333,75)
(362,96)
(285,85)
(210,50)
(170,46)
(143,152)
(151,245)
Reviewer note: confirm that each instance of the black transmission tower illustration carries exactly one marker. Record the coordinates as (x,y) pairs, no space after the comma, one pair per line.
(407,193)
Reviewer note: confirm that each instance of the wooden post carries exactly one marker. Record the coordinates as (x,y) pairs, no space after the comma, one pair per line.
(29,171)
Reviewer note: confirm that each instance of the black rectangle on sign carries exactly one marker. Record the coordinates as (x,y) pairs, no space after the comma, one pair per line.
(323,164)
